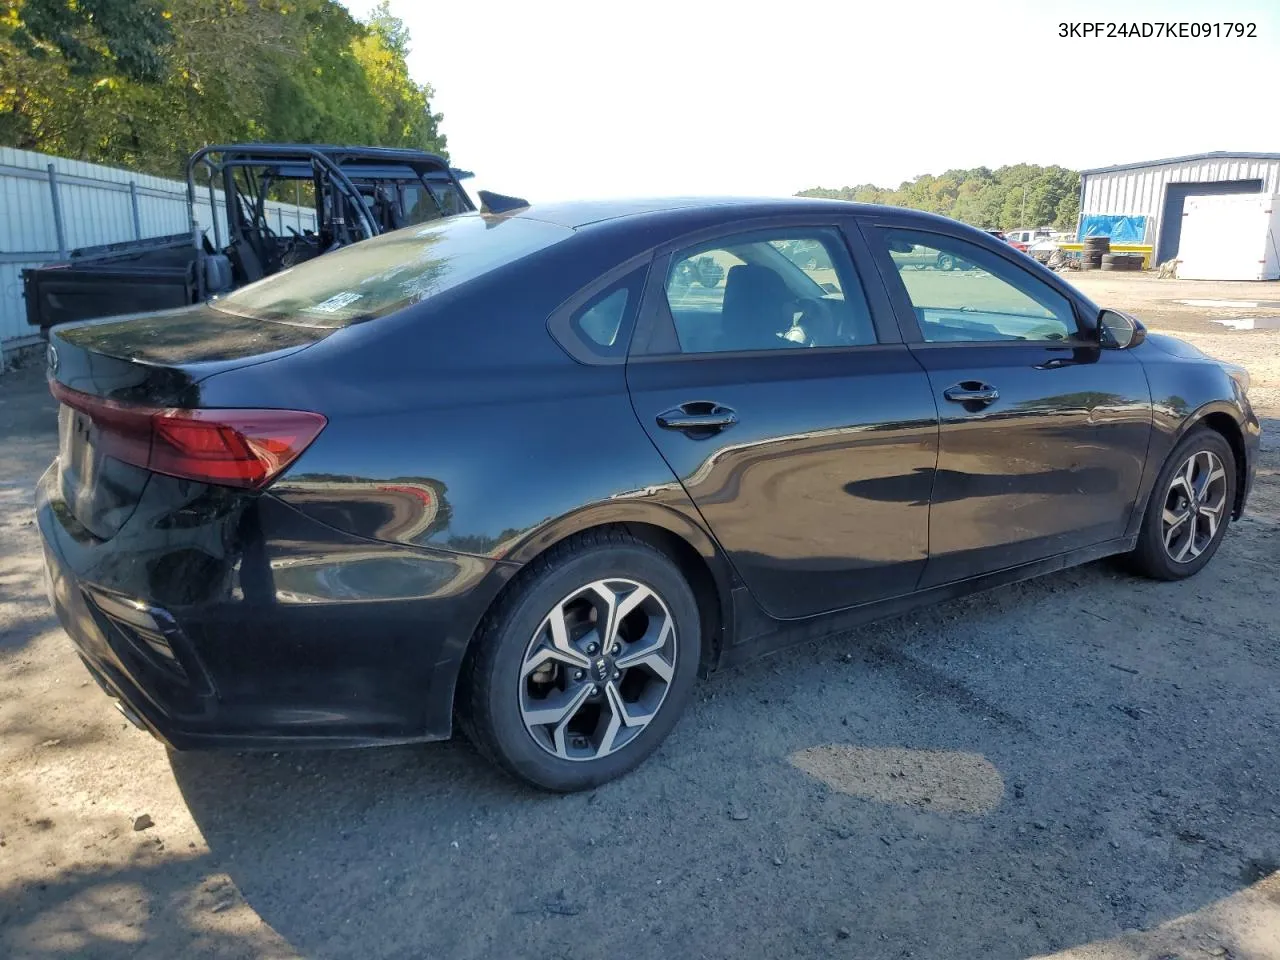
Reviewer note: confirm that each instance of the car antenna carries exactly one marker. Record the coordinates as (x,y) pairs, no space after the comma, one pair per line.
(498,203)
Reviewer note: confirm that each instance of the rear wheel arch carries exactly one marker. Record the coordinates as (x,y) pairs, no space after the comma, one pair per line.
(715,609)
(677,538)
(491,719)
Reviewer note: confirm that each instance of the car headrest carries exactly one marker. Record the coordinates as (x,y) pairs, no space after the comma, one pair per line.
(755,299)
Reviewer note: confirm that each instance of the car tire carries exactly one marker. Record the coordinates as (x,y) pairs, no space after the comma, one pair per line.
(1185,522)
(946,261)
(519,676)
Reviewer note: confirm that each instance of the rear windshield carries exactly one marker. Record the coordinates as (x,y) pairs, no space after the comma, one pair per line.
(384,274)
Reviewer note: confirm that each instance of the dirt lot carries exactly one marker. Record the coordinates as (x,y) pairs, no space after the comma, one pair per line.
(1086,764)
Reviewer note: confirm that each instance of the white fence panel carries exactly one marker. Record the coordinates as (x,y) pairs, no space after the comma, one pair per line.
(50,206)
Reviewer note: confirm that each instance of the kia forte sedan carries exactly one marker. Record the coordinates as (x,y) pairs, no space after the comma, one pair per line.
(509,470)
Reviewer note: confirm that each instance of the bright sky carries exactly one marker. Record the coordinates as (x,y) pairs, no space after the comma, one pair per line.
(560,98)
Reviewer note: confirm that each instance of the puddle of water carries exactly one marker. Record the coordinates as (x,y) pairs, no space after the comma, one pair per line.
(1246,304)
(1251,323)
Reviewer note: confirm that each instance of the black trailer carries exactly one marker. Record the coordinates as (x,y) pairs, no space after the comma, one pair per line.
(358,192)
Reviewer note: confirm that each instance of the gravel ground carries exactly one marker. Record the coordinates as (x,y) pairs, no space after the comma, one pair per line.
(1085,763)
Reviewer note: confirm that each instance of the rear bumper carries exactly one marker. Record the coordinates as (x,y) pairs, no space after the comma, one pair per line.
(302,635)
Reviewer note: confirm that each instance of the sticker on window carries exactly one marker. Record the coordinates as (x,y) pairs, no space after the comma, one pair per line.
(335,304)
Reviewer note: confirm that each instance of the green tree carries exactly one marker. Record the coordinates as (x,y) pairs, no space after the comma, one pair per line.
(405,116)
(1019,195)
(62,62)
(142,83)
(94,37)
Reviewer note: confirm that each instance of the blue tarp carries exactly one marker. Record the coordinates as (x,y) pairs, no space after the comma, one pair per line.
(1119,228)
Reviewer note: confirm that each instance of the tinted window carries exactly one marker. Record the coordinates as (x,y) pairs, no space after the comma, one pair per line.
(450,198)
(601,322)
(384,274)
(768,292)
(419,206)
(962,292)
(600,329)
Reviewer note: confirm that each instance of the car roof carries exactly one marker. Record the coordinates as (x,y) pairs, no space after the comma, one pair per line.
(679,212)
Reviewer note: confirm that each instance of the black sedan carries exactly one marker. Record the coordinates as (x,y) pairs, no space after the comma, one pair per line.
(517,470)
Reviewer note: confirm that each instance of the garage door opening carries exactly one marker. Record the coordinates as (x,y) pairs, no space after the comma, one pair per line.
(1175,197)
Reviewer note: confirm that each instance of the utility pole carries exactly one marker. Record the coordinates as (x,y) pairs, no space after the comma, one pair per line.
(1023,221)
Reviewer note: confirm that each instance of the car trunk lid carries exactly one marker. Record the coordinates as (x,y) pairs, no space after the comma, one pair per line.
(129,397)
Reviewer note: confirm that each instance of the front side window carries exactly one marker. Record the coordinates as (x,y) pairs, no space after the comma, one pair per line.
(961,292)
(759,291)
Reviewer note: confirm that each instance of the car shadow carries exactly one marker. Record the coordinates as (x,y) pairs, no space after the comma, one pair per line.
(1061,778)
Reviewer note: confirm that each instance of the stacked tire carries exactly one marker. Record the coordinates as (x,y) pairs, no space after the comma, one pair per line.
(1095,248)
(1121,261)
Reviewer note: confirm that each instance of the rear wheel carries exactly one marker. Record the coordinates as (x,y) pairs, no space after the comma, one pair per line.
(1189,509)
(946,261)
(585,665)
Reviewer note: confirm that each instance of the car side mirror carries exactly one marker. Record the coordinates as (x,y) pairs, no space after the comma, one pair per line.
(1119,331)
(829,288)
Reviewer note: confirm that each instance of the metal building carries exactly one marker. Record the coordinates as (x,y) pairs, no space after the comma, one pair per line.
(1144,200)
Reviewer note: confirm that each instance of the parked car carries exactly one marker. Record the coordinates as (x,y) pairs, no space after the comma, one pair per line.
(1022,238)
(703,271)
(467,469)
(356,193)
(919,257)
(805,254)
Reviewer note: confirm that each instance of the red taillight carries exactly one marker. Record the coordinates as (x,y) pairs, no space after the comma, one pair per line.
(237,448)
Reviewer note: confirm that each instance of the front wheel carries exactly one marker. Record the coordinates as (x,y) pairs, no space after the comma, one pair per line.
(1189,508)
(946,261)
(585,665)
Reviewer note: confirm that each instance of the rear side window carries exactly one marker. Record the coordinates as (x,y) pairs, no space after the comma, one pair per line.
(601,321)
(387,273)
(768,291)
(595,326)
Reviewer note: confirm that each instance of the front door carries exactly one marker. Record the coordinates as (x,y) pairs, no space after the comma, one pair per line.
(805,436)
(1043,434)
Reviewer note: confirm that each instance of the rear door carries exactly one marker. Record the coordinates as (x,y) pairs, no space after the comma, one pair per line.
(1043,434)
(781,395)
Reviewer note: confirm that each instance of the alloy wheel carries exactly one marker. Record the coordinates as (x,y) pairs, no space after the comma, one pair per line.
(1194,506)
(597,669)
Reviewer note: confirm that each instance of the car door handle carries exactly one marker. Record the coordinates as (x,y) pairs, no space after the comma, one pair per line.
(697,415)
(971,391)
